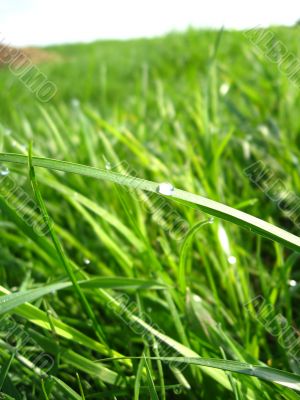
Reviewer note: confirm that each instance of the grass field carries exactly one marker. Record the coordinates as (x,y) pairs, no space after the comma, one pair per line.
(123,275)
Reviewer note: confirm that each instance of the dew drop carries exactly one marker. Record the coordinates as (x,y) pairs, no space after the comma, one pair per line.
(211,220)
(4,170)
(196,298)
(89,322)
(246,149)
(264,130)
(75,103)
(295,160)
(165,188)
(292,282)
(155,346)
(231,260)
(224,89)
(177,390)
(86,261)
(107,163)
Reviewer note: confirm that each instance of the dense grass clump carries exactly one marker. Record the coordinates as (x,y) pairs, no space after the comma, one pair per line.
(123,274)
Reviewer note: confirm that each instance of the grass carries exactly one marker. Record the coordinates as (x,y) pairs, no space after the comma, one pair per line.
(126,304)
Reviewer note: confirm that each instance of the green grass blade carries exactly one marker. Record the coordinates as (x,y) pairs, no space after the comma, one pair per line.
(183,259)
(40,318)
(60,251)
(80,386)
(273,375)
(66,389)
(151,386)
(4,370)
(138,378)
(13,300)
(212,207)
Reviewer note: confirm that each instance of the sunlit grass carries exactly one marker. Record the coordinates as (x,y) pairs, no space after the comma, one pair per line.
(128,117)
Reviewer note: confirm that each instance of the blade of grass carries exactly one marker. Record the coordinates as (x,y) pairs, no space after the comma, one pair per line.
(183,260)
(273,375)
(137,383)
(211,207)
(69,392)
(63,258)
(44,390)
(40,318)
(4,370)
(13,300)
(152,390)
(80,386)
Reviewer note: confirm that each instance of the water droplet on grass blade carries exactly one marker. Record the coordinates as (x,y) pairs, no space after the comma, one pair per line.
(75,103)
(211,220)
(292,282)
(264,130)
(86,261)
(197,298)
(224,89)
(107,164)
(295,160)
(155,346)
(165,188)
(177,390)
(4,170)
(231,260)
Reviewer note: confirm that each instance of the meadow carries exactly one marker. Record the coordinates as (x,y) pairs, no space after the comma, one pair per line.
(149,222)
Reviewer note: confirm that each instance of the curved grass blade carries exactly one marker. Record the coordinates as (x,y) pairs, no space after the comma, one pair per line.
(138,378)
(164,339)
(4,370)
(60,251)
(211,207)
(69,392)
(41,319)
(273,375)
(183,259)
(11,301)
(151,386)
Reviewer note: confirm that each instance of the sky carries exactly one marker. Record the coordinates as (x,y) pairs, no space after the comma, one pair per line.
(44,22)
